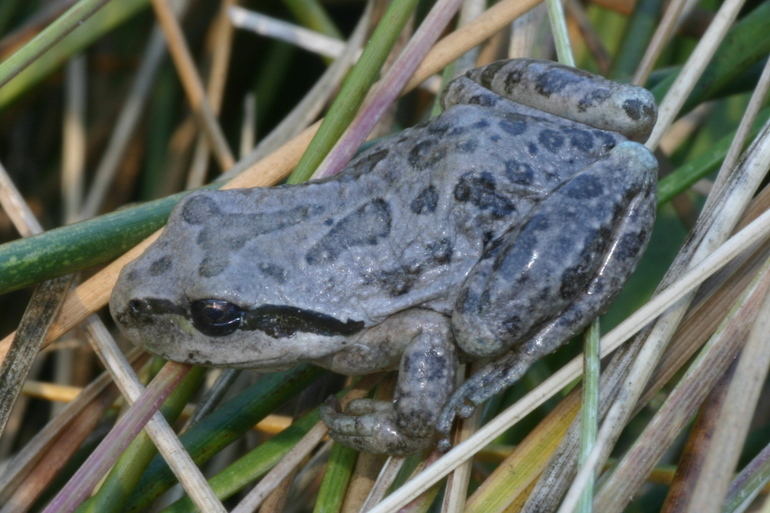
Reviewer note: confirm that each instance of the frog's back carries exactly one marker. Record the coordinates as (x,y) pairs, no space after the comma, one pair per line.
(400,227)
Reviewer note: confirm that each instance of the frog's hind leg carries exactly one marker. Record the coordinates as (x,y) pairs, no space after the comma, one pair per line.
(548,279)
(425,381)
(560,90)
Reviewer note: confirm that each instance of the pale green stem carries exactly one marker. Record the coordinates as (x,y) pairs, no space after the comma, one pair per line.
(54,33)
(589,413)
(560,34)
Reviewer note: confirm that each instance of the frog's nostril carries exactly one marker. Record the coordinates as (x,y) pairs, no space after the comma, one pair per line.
(140,306)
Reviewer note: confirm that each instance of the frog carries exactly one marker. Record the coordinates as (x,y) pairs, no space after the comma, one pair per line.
(493,232)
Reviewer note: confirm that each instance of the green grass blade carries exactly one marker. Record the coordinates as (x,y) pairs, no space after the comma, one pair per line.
(32,63)
(225,425)
(353,91)
(78,246)
(336,477)
(125,475)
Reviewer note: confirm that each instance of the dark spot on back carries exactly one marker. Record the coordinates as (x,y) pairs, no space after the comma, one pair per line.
(438,127)
(532,147)
(426,153)
(479,190)
(513,325)
(198,209)
(550,140)
(513,126)
(212,266)
(236,242)
(520,173)
(218,244)
(605,139)
(274,272)
(441,251)
(398,282)
(425,202)
(585,187)
(160,265)
(401,139)
(579,139)
(456,130)
(369,160)
(467,146)
(366,226)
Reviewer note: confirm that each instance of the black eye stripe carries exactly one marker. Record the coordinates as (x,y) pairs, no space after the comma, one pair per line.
(280,321)
(218,318)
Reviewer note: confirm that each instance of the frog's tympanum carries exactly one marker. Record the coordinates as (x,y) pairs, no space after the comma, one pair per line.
(498,230)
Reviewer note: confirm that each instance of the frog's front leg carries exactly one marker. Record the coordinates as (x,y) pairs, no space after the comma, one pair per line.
(546,280)
(426,379)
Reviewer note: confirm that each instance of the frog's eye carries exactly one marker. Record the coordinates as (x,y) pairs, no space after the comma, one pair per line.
(215,317)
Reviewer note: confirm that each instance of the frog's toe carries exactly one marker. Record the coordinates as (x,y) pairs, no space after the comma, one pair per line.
(366,406)
(397,445)
(488,381)
(459,405)
(373,431)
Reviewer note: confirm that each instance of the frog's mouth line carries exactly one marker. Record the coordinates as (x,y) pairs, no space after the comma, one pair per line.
(276,321)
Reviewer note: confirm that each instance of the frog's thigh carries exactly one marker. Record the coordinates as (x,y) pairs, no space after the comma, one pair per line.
(425,381)
(492,316)
(566,262)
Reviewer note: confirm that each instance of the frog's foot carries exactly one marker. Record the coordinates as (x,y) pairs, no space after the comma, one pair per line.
(486,382)
(426,379)
(370,426)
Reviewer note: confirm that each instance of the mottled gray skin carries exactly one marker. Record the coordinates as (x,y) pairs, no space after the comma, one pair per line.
(494,230)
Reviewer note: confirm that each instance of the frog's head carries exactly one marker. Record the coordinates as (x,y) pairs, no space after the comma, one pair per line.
(171,301)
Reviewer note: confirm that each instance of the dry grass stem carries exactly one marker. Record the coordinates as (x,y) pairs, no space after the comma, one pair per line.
(664,33)
(162,435)
(74,144)
(685,81)
(219,47)
(16,208)
(681,340)
(193,84)
(672,418)
(126,125)
(274,28)
(297,454)
(385,479)
(746,180)
(742,133)
(727,440)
